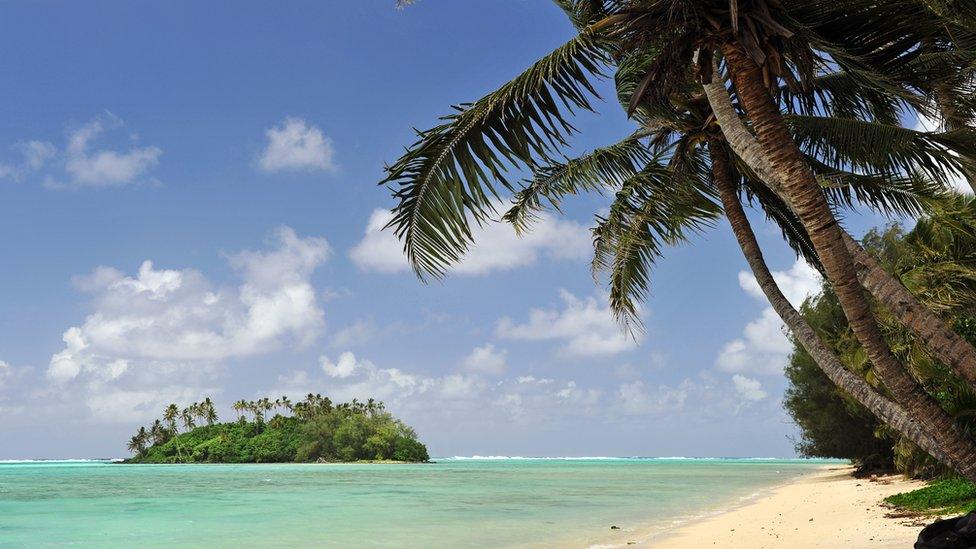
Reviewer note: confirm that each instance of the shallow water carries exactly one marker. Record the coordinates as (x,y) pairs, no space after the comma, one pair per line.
(451,503)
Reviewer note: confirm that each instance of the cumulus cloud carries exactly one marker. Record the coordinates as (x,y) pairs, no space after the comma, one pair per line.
(764,345)
(585,327)
(637,398)
(177,321)
(104,167)
(486,360)
(342,368)
(82,164)
(414,394)
(496,247)
(128,405)
(748,388)
(296,145)
(351,377)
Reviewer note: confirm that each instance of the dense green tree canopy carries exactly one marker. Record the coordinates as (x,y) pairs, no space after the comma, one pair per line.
(314,429)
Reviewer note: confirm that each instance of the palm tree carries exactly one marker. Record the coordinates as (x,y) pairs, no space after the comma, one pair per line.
(883,408)
(285,403)
(187,417)
(949,346)
(137,443)
(157,432)
(240,407)
(208,411)
(802,192)
(446,180)
(171,414)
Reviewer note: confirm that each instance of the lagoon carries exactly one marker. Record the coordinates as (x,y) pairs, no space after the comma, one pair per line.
(455,502)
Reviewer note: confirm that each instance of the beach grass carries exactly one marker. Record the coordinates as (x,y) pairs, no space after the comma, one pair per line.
(947,496)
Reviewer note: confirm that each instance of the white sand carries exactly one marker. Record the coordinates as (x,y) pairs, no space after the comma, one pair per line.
(828,508)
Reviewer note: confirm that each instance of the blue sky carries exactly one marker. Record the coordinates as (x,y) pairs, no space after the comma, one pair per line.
(237,150)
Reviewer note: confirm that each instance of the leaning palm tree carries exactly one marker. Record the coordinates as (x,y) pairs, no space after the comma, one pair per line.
(906,147)
(522,123)
(887,411)
(449,178)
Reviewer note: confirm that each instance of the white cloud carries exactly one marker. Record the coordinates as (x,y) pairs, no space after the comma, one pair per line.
(750,389)
(102,168)
(179,317)
(438,396)
(764,346)
(797,284)
(297,145)
(342,368)
(37,153)
(486,360)
(355,334)
(585,326)
(81,164)
(637,398)
(957,181)
(497,247)
(126,406)
(532,379)
(5,371)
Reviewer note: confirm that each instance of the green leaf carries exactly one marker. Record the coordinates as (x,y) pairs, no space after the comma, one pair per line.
(449,177)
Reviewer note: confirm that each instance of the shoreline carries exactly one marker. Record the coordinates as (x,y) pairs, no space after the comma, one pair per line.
(826,508)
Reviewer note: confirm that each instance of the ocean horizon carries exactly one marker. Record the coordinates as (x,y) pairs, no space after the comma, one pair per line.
(499,501)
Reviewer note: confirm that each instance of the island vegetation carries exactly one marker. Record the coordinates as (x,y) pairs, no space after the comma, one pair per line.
(936,260)
(277,431)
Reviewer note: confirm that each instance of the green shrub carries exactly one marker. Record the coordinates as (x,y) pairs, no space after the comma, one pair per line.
(953,495)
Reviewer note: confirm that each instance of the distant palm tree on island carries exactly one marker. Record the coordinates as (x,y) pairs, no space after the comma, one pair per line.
(311,430)
(815,126)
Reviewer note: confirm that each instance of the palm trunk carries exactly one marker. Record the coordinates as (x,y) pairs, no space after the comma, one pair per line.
(883,408)
(951,348)
(806,198)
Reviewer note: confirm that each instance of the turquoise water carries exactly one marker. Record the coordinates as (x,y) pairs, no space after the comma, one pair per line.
(452,503)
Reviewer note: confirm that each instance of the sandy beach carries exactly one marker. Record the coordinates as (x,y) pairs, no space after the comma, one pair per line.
(829,508)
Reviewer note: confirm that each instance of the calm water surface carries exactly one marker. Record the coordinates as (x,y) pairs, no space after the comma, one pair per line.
(452,503)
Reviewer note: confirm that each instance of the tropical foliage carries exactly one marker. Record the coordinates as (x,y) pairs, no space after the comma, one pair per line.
(947,496)
(937,261)
(314,429)
(823,85)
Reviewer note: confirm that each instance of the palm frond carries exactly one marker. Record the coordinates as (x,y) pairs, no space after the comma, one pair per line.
(606,167)
(660,206)
(583,13)
(883,149)
(892,195)
(449,176)
(841,94)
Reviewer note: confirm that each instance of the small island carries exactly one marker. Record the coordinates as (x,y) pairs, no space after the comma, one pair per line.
(313,430)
